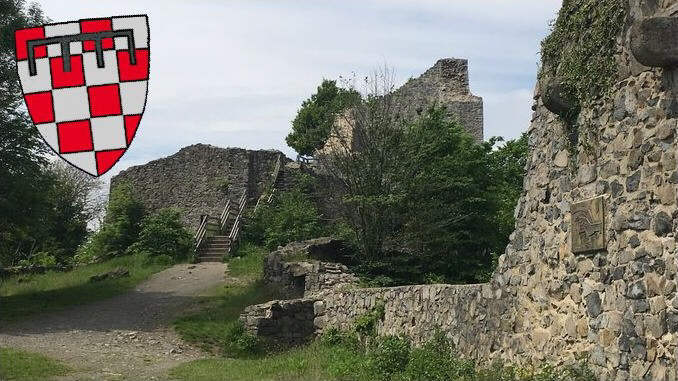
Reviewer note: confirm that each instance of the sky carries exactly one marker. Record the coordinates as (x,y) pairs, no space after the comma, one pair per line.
(233,73)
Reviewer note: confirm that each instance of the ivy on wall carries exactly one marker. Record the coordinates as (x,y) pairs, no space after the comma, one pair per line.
(580,54)
(581,47)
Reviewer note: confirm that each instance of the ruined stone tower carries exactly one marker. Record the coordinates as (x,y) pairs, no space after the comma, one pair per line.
(444,85)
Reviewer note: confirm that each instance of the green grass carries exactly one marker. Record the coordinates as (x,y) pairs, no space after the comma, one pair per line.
(311,362)
(387,359)
(25,295)
(216,327)
(20,365)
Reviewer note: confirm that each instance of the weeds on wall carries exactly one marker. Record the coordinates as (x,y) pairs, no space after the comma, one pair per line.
(580,53)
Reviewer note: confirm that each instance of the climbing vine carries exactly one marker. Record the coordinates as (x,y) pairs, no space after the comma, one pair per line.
(581,47)
(580,53)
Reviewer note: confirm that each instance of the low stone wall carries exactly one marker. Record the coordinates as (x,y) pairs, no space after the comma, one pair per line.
(326,295)
(306,276)
(288,322)
(463,312)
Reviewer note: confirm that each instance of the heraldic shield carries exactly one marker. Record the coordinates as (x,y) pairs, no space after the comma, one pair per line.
(85,84)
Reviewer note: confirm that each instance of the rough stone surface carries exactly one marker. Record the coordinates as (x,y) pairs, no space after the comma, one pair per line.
(199,179)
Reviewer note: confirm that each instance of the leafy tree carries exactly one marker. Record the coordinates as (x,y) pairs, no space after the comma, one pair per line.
(508,169)
(448,209)
(313,123)
(71,207)
(425,201)
(361,171)
(24,181)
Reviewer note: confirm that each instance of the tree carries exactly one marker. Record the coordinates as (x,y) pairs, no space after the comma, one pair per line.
(425,201)
(313,123)
(73,202)
(508,169)
(361,168)
(22,160)
(449,206)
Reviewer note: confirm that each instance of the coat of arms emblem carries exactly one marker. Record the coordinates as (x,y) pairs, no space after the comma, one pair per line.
(85,84)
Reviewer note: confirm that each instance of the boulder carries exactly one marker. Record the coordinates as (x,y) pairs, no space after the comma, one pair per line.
(653,41)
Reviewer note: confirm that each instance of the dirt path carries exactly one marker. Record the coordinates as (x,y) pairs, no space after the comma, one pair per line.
(125,337)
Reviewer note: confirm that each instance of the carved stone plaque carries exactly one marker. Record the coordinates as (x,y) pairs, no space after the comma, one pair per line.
(587,230)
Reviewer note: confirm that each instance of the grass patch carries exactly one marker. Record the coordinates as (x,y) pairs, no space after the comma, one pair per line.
(216,327)
(342,357)
(20,365)
(30,294)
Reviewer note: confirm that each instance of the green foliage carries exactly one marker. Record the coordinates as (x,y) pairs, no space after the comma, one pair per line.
(313,123)
(448,204)
(436,361)
(163,233)
(507,165)
(292,216)
(581,47)
(120,228)
(388,355)
(20,365)
(338,356)
(366,324)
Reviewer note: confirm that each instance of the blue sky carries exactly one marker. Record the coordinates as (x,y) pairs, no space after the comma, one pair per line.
(233,73)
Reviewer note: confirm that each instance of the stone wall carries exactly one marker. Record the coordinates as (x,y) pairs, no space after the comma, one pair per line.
(615,302)
(297,271)
(199,179)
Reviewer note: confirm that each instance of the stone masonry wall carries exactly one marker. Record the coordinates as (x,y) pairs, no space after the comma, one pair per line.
(193,179)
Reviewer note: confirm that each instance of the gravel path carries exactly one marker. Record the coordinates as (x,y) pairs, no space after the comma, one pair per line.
(127,337)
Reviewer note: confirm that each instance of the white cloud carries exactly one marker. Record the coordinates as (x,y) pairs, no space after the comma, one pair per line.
(233,73)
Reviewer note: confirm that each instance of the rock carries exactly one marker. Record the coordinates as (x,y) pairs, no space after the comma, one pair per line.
(117,273)
(593,307)
(636,290)
(561,159)
(632,182)
(662,225)
(652,41)
(557,99)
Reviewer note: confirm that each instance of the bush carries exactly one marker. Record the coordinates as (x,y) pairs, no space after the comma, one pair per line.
(120,227)
(435,361)
(292,216)
(163,234)
(388,355)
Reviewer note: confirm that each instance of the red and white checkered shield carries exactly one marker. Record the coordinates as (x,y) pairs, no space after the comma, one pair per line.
(85,85)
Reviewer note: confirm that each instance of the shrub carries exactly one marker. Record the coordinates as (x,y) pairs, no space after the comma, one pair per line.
(120,227)
(366,325)
(163,233)
(291,217)
(436,361)
(388,355)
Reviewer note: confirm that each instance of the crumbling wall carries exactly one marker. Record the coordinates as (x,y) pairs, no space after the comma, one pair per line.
(199,179)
